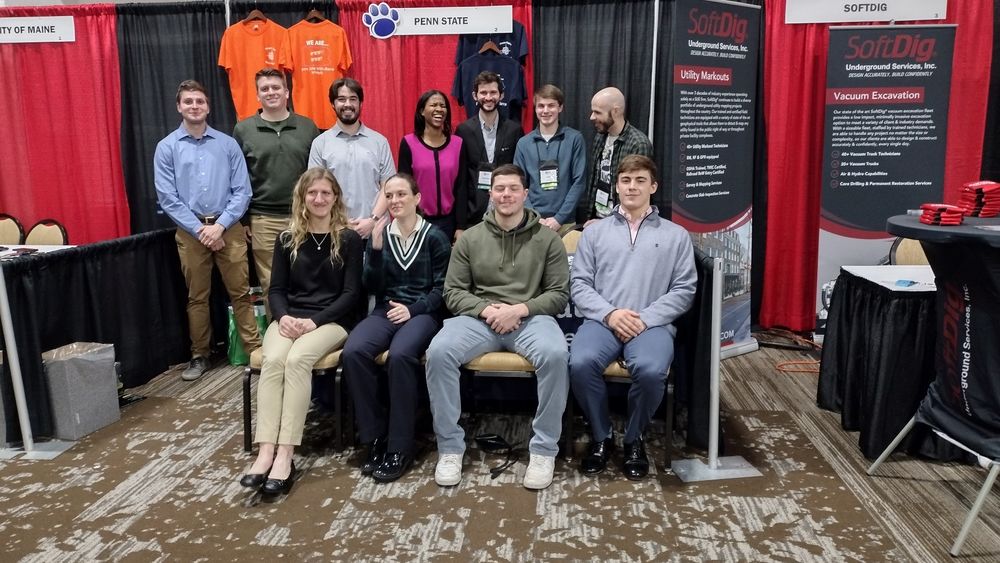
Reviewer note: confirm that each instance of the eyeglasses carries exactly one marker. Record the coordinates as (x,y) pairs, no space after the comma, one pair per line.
(496,444)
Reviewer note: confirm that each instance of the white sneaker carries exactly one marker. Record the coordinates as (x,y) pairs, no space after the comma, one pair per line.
(539,472)
(449,470)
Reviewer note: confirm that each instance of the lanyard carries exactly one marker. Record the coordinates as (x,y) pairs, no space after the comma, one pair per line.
(538,153)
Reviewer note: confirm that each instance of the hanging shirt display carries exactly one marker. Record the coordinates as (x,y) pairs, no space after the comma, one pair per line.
(319,55)
(513,44)
(511,73)
(247,47)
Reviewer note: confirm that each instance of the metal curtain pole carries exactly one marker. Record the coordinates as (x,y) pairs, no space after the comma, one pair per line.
(15,366)
(729,467)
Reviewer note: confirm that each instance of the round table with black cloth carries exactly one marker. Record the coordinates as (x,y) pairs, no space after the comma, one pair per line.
(877,362)
(964,399)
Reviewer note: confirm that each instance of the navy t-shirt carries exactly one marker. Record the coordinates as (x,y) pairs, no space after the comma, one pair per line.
(513,44)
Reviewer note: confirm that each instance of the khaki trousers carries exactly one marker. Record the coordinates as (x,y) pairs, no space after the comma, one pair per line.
(196,263)
(285,385)
(265,229)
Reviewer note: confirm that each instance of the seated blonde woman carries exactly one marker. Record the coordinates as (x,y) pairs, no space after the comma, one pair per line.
(315,293)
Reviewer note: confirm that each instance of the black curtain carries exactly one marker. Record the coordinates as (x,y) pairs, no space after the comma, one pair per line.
(583,47)
(128,292)
(991,144)
(287,13)
(160,45)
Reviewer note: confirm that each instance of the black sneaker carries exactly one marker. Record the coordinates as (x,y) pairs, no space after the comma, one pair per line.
(196,369)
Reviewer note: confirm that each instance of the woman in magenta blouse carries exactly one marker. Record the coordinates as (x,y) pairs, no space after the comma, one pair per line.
(433,156)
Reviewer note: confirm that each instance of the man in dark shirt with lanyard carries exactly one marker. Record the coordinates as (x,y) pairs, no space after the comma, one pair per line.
(488,142)
(615,139)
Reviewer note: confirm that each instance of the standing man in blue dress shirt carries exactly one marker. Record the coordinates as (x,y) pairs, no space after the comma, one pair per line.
(203,186)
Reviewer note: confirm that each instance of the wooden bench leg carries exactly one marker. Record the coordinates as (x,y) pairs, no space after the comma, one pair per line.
(247,441)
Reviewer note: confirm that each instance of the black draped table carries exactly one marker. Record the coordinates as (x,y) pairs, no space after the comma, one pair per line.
(878,356)
(128,292)
(964,399)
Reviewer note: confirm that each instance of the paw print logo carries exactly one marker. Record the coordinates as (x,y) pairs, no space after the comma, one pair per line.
(381,20)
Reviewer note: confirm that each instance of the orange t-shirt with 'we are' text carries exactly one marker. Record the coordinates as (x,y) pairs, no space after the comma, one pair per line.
(319,55)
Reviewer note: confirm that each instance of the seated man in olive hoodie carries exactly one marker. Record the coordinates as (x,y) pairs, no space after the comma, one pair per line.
(508,275)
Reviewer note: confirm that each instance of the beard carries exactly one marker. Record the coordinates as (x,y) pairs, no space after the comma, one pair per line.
(348,120)
(603,126)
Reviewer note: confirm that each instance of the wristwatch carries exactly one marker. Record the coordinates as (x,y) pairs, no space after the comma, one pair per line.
(375,217)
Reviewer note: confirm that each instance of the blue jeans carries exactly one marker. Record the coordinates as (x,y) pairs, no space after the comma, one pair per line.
(648,358)
(539,340)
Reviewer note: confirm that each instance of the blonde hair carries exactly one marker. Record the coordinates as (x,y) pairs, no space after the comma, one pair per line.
(298,227)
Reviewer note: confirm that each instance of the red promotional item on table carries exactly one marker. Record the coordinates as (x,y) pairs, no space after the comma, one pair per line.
(941,214)
(980,199)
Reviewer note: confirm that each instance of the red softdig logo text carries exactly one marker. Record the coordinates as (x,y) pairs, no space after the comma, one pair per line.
(902,46)
(718,24)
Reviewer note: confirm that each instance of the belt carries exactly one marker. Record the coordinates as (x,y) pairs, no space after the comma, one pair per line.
(207,219)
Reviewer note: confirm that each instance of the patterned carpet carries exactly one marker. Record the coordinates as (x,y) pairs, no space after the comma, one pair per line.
(162,484)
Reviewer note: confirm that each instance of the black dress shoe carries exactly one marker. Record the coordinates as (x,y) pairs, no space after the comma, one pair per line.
(394,464)
(635,466)
(597,460)
(253,480)
(273,487)
(376,451)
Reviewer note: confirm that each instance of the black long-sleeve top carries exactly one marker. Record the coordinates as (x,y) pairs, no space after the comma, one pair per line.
(313,286)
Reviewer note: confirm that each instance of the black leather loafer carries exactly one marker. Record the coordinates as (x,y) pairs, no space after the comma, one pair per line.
(253,480)
(635,466)
(376,451)
(393,466)
(597,460)
(274,487)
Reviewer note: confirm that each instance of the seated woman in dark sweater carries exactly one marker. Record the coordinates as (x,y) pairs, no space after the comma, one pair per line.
(405,267)
(315,293)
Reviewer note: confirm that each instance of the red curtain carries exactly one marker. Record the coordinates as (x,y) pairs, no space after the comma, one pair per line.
(62,115)
(794,82)
(395,71)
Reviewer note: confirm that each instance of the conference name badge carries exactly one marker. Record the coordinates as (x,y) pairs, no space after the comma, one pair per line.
(485,179)
(548,175)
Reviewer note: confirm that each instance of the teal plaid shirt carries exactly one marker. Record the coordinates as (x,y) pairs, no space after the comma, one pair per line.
(631,141)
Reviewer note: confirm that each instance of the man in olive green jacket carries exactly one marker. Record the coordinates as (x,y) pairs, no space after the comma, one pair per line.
(508,275)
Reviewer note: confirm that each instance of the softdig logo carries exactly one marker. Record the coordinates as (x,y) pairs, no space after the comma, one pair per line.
(725,25)
(901,46)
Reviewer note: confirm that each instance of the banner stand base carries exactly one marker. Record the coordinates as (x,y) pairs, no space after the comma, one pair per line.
(42,450)
(729,467)
(739,349)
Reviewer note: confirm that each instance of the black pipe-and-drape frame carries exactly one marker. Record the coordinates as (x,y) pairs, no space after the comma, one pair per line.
(128,292)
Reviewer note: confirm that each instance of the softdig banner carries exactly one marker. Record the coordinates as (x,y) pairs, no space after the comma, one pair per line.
(884,141)
(964,399)
(714,78)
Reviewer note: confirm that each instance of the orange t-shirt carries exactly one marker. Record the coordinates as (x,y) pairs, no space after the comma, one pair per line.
(247,47)
(319,55)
